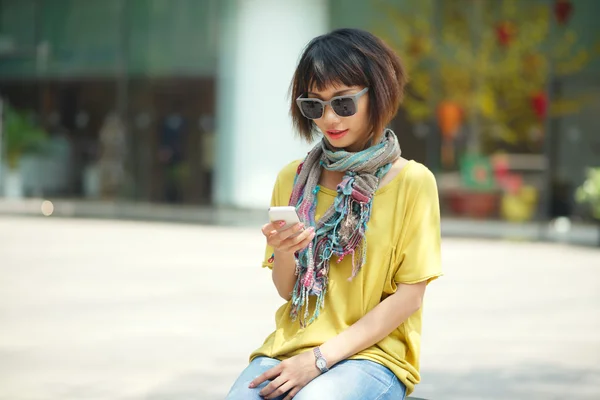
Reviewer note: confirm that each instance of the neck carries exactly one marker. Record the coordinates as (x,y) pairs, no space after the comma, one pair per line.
(355,148)
(362,144)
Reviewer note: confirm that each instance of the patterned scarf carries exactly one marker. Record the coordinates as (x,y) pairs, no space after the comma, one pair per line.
(341,229)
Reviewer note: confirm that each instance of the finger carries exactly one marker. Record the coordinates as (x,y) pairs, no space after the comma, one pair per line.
(273,240)
(296,240)
(272,226)
(272,387)
(266,376)
(287,232)
(293,393)
(270,231)
(283,389)
(305,242)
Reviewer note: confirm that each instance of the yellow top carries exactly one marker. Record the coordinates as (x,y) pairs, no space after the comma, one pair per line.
(403,246)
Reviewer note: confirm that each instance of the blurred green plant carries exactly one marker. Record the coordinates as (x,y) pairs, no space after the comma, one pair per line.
(22,135)
(589,192)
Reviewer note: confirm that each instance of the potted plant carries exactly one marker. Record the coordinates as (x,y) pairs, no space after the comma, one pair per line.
(21,135)
(589,193)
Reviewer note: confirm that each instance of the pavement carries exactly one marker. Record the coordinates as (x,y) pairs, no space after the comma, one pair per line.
(130,310)
(561,230)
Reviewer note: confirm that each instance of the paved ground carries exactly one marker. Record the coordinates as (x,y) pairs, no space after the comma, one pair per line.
(561,230)
(138,310)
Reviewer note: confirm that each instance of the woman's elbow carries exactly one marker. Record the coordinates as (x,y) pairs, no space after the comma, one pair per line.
(284,291)
(287,296)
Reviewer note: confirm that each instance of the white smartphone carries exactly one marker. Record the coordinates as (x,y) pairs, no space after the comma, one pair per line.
(284,213)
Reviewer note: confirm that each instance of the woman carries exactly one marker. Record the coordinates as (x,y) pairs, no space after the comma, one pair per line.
(369,241)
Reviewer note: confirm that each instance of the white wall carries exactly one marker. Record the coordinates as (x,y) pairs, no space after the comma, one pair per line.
(260,44)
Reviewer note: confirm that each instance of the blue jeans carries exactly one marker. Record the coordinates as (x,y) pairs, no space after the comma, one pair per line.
(347,380)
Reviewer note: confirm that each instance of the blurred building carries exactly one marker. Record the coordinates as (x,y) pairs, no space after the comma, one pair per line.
(185,101)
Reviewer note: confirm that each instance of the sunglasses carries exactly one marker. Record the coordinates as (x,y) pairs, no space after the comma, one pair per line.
(344,106)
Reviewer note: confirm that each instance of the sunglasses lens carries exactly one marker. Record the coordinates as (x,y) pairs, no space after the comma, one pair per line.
(311,109)
(344,106)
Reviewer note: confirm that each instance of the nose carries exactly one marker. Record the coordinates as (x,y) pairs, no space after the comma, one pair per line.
(329,116)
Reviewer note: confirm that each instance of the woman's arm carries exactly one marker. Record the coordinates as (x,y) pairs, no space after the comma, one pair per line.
(284,274)
(376,324)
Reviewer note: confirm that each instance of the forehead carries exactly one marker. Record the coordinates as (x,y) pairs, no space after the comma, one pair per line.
(331,89)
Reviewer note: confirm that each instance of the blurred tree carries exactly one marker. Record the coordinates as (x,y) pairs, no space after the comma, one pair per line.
(589,192)
(22,135)
(491,59)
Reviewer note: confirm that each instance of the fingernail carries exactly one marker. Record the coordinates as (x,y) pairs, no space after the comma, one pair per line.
(312,228)
(281,223)
(251,385)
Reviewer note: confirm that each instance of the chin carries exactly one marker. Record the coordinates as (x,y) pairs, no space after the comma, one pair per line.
(342,143)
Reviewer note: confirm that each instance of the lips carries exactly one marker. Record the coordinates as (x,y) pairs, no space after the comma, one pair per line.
(337,134)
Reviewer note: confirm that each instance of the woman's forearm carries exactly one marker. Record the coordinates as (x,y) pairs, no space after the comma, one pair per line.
(284,274)
(376,324)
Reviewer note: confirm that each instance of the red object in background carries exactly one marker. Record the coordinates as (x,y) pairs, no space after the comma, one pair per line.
(539,103)
(508,181)
(505,33)
(480,205)
(449,118)
(513,183)
(500,167)
(563,10)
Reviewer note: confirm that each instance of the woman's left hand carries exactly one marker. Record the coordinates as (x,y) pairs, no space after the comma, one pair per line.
(290,375)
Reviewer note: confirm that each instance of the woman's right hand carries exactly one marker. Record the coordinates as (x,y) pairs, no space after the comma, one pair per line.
(281,240)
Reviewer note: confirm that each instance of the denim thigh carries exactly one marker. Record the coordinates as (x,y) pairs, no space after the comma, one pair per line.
(240,389)
(347,380)
(354,380)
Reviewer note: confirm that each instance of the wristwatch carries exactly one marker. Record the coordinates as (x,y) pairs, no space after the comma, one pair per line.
(320,361)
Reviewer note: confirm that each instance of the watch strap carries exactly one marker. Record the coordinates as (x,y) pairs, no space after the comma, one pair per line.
(318,356)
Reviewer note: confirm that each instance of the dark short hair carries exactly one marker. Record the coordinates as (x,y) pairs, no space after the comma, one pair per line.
(351,57)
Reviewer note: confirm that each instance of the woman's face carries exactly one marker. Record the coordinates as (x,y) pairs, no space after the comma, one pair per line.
(350,133)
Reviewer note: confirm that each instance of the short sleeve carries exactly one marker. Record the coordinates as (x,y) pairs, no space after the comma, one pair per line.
(419,255)
(268,259)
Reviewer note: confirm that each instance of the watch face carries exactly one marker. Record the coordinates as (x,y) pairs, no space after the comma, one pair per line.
(321,363)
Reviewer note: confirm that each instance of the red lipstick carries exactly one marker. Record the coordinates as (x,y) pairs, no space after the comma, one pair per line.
(337,134)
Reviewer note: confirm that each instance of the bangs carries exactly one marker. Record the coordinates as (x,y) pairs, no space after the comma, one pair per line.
(329,63)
